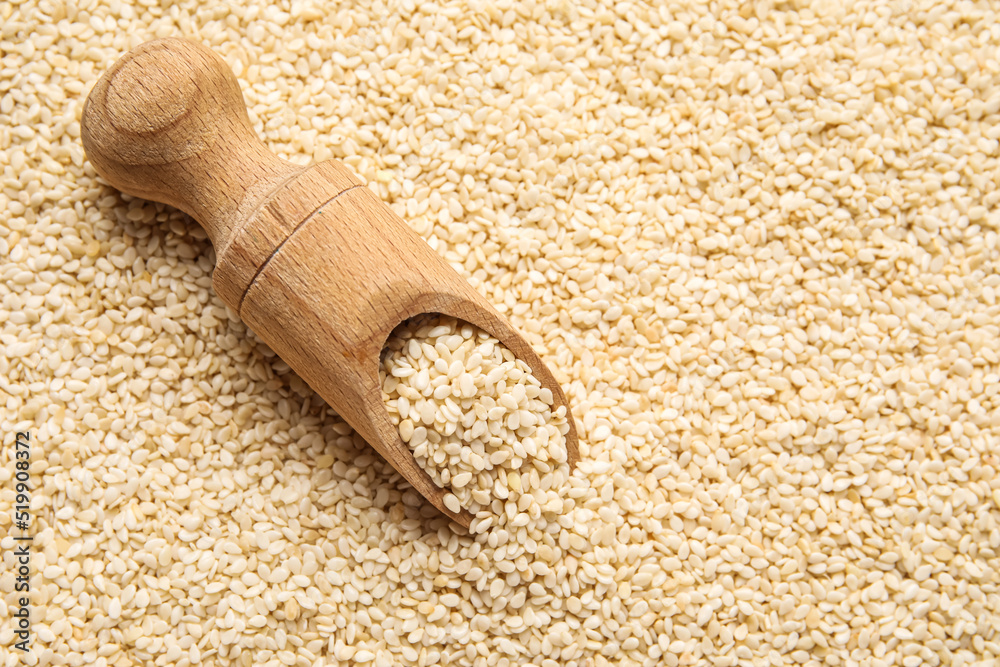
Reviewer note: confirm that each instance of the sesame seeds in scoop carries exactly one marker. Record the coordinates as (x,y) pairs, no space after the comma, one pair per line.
(475,417)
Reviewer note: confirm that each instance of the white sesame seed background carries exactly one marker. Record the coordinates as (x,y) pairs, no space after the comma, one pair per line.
(757,244)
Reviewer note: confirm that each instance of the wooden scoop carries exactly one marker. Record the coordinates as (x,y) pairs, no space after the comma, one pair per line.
(313,261)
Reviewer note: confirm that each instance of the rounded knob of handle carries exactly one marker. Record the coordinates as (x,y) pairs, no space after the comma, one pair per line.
(168,122)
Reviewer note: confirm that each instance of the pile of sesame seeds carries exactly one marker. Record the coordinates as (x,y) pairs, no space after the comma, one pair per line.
(475,417)
(757,245)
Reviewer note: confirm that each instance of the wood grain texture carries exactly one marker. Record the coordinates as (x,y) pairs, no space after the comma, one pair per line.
(254,239)
(313,261)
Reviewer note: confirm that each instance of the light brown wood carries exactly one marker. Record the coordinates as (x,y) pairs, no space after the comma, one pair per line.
(311,259)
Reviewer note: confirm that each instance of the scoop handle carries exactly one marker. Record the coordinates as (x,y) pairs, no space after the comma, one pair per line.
(168,122)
